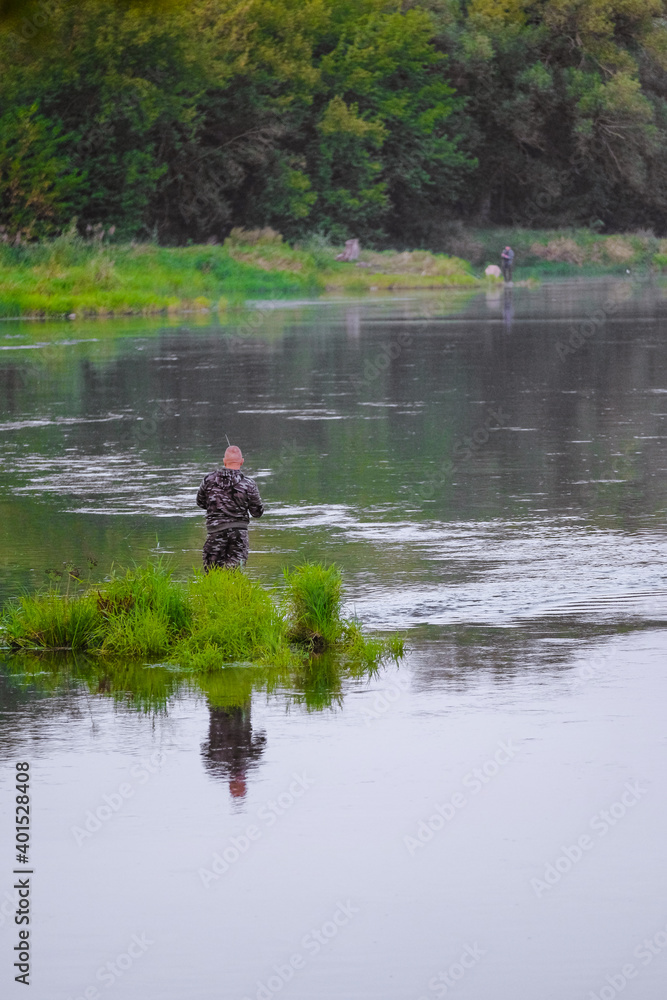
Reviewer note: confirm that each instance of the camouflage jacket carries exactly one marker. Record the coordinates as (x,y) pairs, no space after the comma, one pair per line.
(229,497)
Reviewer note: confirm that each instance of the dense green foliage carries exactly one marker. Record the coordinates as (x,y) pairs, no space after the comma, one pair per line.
(215,618)
(381,119)
(566,108)
(293,113)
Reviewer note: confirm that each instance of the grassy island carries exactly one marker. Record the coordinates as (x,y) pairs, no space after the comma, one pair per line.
(198,626)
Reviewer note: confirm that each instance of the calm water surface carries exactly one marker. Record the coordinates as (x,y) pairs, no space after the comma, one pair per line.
(486,821)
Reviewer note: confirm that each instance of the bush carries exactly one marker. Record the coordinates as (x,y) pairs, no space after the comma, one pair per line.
(143,589)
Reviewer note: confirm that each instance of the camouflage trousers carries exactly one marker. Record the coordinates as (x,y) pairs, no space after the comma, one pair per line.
(227,548)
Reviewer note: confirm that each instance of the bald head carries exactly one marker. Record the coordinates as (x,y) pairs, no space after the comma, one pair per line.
(233,457)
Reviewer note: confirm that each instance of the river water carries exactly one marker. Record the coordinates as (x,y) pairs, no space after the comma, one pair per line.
(486,820)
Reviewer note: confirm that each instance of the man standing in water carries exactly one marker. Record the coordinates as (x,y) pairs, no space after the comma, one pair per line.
(228,497)
(507,263)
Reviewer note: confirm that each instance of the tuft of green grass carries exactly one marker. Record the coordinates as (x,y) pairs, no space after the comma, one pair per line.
(233,619)
(367,651)
(313,610)
(313,595)
(51,621)
(143,612)
(200,626)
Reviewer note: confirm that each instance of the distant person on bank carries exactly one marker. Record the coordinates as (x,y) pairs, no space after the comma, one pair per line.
(507,263)
(229,498)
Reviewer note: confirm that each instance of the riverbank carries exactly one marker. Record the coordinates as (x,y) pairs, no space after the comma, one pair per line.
(76,278)
(72,277)
(543,253)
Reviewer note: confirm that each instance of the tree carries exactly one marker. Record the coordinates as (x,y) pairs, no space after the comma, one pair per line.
(565,107)
(296,113)
(36,187)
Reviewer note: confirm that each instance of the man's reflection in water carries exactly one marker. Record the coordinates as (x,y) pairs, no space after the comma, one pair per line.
(508,309)
(353,323)
(231,749)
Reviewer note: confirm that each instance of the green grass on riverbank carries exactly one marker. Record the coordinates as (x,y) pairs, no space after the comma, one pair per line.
(198,626)
(70,276)
(558,252)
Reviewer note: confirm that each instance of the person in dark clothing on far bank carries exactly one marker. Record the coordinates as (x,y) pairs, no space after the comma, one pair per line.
(229,498)
(507,263)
